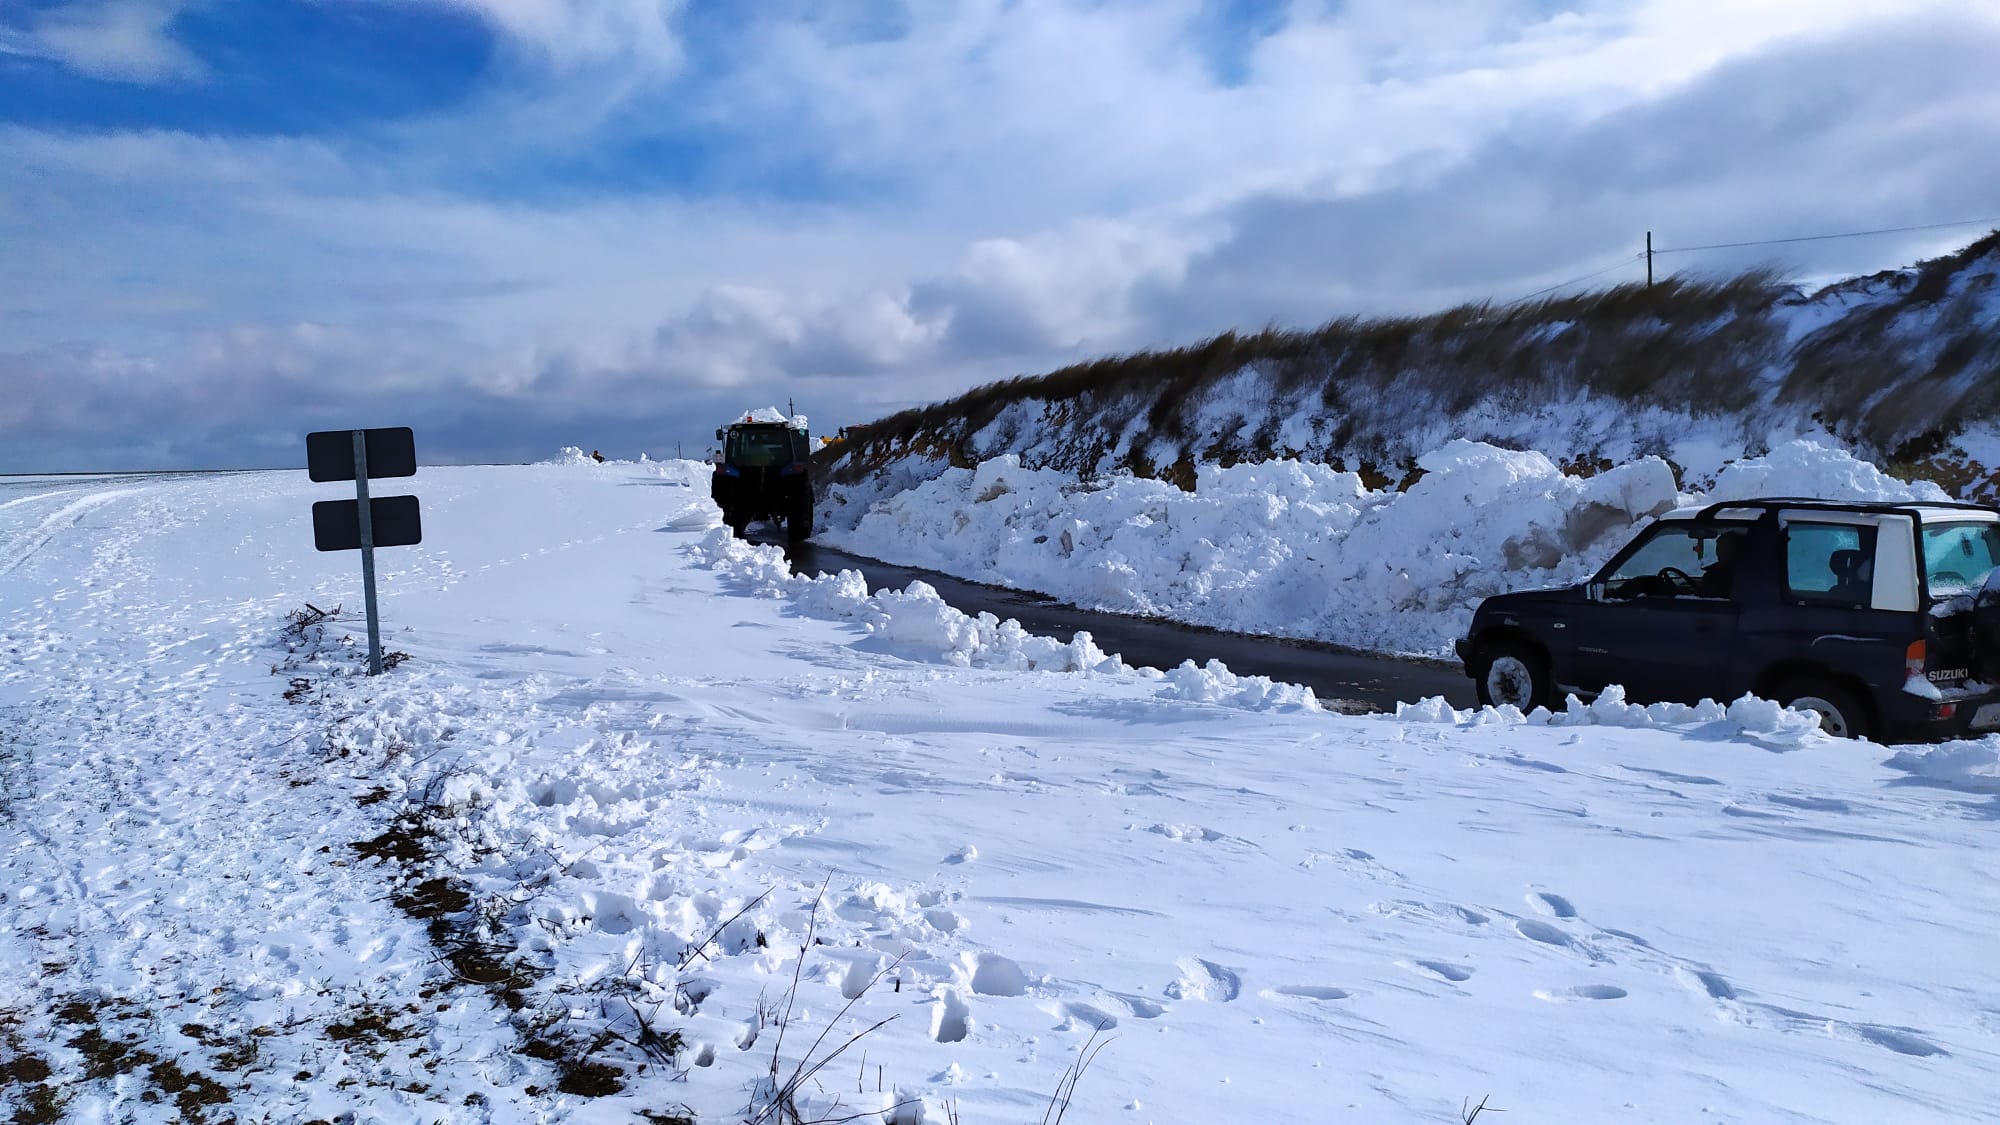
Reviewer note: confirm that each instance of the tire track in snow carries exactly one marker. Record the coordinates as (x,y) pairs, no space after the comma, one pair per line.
(35,497)
(24,546)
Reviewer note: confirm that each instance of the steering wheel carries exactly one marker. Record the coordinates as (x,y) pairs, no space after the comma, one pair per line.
(1678,578)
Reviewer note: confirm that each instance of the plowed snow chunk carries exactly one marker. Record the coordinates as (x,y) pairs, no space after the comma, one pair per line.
(993,975)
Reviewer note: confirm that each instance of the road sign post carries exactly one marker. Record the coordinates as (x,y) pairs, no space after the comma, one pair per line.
(363,512)
(364,523)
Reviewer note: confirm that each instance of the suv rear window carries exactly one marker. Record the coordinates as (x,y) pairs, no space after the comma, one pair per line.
(1830,564)
(1958,556)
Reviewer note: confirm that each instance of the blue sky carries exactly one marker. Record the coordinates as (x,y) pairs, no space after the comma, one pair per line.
(520,224)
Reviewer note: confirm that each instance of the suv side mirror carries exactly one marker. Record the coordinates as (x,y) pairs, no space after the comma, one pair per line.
(1593,592)
(718,433)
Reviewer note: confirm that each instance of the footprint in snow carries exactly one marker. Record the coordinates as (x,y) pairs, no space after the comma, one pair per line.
(1899,1040)
(1581,992)
(1443,970)
(1431,911)
(1308,992)
(1076,1016)
(1137,1007)
(951,1017)
(860,974)
(1354,861)
(1810,804)
(1714,984)
(1555,906)
(990,974)
(1733,1006)
(1542,932)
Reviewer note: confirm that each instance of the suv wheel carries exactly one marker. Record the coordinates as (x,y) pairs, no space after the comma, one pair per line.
(1840,713)
(1513,674)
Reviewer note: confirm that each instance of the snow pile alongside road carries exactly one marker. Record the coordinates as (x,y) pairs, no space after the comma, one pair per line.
(1754,720)
(916,622)
(1296,549)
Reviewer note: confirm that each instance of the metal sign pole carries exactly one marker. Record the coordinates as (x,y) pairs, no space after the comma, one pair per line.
(367,549)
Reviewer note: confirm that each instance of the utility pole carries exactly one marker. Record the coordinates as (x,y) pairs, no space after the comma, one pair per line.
(1649,259)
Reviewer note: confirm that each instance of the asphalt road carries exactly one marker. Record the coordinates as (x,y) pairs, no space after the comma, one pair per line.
(1345,679)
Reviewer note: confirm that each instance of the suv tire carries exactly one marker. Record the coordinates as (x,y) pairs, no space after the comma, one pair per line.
(1510,672)
(1841,713)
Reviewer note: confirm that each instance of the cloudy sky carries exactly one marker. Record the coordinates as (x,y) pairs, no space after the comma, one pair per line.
(520,224)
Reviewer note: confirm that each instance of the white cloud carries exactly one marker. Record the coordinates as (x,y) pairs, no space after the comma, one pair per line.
(1043,180)
(570,34)
(119,40)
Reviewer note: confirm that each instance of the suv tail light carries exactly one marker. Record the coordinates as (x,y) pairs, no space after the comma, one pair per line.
(1913,659)
(794,467)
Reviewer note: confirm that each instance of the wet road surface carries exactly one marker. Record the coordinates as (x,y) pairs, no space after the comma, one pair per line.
(1345,679)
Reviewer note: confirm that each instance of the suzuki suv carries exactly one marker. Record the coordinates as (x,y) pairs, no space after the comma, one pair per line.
(763,473)
(1870,614)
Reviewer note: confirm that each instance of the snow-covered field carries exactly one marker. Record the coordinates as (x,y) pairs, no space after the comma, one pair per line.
(631,769)
(1295,549)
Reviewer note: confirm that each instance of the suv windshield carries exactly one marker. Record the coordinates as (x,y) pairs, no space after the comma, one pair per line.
(1958,556)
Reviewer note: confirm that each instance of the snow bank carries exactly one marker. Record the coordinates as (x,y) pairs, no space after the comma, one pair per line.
(1969,767)
(1284,547)
(1749,718)
(569,455)
(1297,549)
(916,623)
(1808,468)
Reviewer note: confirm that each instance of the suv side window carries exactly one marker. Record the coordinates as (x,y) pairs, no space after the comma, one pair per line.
(1678,560)
(1830,564)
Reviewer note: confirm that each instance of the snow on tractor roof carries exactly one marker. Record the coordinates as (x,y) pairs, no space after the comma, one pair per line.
(773,415)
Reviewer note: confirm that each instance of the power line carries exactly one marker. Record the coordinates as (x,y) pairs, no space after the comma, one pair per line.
(1619,264)
(1644,254)
(1825,237)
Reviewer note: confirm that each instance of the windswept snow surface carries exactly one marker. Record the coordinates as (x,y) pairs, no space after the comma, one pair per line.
(1296,549)
(662,767)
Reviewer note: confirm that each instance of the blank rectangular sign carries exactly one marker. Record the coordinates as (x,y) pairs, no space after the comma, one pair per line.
(337,523)
(392,452)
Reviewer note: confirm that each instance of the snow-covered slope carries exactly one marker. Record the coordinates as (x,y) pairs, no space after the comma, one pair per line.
(1902,367)
(644,820)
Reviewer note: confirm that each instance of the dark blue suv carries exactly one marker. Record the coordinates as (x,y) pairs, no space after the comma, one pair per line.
(1870,614)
